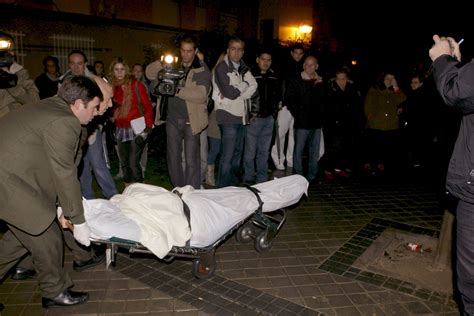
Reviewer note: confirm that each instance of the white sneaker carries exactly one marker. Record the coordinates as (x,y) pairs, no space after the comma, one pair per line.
(280,167)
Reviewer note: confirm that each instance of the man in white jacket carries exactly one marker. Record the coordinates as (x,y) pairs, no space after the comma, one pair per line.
(233,85)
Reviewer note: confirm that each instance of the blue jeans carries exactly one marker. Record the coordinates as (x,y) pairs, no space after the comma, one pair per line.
(232,141)
(93,161)
(258,137)
(178,131)
(312,137)
(214,150)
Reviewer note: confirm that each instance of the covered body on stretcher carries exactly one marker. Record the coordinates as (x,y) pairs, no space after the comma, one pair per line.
(154,216)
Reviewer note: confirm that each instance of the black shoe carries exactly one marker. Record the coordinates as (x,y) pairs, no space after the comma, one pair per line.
(1,307)
(92,262)
(23,274)
(66,298)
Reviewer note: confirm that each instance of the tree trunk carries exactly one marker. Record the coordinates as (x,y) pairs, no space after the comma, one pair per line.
(442,260)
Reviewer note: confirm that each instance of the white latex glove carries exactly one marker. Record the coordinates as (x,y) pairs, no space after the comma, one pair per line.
(82,234)
(441,47)
(59,212)
(64,223)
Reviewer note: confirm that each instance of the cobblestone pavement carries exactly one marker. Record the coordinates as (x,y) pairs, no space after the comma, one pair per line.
(308,270)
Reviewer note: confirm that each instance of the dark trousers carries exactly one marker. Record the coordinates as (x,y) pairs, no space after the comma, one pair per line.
(93,161)
(258,137)
(232,143)
(177,132)
(130,154)
(79,252)
(312,137)
(465,254)
(47,252)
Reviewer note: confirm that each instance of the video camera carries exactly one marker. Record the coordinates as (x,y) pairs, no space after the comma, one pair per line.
(168,77)
(7,80)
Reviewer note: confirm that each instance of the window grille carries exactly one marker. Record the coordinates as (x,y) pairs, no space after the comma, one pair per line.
(64,44)
(201,3)
(18,45)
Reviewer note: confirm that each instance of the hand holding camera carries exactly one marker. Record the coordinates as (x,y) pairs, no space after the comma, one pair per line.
(168,78)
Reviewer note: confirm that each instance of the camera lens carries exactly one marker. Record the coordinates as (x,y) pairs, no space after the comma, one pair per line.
(167,88)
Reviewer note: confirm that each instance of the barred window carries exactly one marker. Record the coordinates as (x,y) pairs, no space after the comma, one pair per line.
(64,44)
(201,3)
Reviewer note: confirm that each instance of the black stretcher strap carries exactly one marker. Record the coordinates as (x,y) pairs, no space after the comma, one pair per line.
(186,210)
(187,213)
(256,192)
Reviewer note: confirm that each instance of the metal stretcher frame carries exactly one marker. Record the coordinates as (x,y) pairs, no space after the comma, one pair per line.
(204,261)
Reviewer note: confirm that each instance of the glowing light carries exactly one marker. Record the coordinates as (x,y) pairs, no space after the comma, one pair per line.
(353,62)
(305,29)
(5,44)
(169,59)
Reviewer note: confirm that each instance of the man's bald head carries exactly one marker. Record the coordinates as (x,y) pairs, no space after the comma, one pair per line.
(107,92)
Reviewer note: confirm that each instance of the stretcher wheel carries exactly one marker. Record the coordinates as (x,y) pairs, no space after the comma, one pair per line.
(261,242)
(245,234)
(201,271)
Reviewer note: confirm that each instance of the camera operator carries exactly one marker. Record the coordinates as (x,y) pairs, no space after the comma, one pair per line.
(187,116)
(16,87)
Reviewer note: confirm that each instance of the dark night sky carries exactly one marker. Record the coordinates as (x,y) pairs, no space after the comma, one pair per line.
(399,33)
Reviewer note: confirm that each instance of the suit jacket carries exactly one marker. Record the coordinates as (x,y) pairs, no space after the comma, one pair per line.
(38,145)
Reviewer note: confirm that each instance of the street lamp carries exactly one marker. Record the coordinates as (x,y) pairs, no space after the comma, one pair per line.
(305,30)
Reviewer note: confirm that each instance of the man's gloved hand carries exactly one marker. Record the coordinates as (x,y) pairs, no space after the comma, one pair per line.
(59,212)
(82,234)
(62,220)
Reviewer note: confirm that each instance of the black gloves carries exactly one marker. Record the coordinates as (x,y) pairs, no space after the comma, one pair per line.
(142,137)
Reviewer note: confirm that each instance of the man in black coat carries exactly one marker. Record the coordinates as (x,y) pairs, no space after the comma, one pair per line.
(264,106)
(456,86)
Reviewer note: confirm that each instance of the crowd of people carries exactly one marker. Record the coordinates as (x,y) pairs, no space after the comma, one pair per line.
(226,126)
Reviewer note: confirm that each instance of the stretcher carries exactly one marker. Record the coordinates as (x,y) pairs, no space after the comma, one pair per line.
(258,216)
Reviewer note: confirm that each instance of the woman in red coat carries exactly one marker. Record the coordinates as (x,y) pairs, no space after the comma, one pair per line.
(132,105)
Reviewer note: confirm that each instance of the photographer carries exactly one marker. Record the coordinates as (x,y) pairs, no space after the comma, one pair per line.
(187,116)
(16,87)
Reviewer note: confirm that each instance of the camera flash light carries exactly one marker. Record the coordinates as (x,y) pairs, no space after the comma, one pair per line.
(169,59)
(5,44)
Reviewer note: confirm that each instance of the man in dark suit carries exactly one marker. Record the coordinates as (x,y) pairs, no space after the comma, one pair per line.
(37,152)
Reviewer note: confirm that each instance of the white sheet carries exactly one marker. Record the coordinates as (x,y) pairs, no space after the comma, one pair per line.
(159,213)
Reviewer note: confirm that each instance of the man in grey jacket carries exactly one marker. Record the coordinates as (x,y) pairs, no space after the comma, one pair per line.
(233,87)
(38,147)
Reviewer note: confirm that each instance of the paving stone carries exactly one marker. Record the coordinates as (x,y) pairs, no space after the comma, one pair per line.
(308,271)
